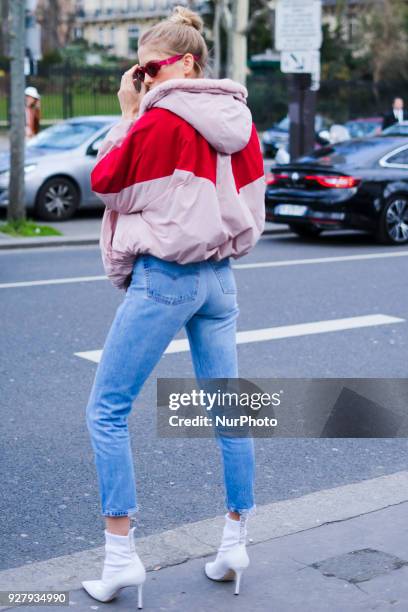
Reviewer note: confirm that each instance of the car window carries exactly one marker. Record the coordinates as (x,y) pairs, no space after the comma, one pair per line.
(66,135)
(284,124)
(360,129)
(397,129)
(96,143)
(399,158)
(320,123)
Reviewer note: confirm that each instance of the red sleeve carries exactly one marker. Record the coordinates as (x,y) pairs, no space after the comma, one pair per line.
(248,164)
(158,143)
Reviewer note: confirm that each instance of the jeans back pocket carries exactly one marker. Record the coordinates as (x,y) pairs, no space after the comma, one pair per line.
(169,282)
(225,275)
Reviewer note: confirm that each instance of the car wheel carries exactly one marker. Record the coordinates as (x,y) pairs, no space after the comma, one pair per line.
(57,200)
(305,231)
(393,225)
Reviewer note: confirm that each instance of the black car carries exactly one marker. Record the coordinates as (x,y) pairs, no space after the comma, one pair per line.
(357,184)
(278,135)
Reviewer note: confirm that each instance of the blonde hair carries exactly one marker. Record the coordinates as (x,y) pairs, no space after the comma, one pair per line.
(180,33)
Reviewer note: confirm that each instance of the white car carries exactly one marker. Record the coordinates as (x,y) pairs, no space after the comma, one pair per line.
(58,165)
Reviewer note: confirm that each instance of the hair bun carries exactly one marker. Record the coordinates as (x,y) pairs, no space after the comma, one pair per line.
(184,16)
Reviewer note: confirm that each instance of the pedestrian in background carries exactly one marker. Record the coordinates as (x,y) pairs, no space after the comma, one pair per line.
(396,115)
(33,111)
(182,178)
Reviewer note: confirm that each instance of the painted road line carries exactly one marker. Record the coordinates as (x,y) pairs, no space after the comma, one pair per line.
(248,266)
(277,333)
(319,260)
(53,281)
(201,538)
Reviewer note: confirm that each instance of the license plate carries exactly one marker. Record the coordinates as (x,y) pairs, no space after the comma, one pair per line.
(295,210)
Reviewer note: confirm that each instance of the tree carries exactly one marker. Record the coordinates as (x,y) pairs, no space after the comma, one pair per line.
(57,19)
(233,17)
(238,29)
(337,58)
(261,26)
(216,34)
(384,39)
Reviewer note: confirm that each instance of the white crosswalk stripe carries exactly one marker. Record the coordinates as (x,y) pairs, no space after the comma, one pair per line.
(274,333)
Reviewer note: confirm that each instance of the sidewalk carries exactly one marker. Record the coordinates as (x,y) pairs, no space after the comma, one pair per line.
(339,550)
(83,231)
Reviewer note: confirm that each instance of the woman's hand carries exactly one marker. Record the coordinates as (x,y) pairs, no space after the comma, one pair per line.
(129,98)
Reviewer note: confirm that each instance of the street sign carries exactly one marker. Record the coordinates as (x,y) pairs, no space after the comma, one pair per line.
(298,25)
(299,61)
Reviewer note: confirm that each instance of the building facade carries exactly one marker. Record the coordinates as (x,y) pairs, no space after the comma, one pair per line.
(346,14)
(118,25)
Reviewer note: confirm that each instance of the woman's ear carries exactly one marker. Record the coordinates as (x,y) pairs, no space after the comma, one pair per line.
(188,64)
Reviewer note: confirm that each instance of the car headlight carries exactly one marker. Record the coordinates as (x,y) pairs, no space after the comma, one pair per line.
(5,175)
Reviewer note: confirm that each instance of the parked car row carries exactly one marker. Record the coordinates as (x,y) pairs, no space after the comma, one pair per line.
(275,141)
(360,183)
(277,137)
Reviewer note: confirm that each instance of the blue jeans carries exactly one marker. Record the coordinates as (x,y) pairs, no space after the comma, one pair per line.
(162,297)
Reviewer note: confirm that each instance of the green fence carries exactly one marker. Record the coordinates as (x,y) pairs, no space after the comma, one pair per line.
(69,92)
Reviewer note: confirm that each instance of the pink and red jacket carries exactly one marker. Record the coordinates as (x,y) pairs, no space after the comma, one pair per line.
(184,181)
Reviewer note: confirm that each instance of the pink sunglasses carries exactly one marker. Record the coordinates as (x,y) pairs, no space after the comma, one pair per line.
(152,68)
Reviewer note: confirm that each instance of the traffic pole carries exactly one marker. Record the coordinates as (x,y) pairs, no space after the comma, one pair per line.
(16,208)
(302,111)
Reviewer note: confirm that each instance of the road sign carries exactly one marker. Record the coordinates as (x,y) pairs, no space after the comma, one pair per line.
(298,25)
(299,61)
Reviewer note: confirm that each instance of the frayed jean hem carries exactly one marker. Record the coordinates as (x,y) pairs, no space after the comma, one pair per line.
(132,514)
(243,511)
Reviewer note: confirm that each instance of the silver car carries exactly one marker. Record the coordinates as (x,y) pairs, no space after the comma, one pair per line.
(58,164)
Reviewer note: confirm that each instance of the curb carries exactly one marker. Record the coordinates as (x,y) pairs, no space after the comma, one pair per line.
(44,242)
(23,243)
(200,539)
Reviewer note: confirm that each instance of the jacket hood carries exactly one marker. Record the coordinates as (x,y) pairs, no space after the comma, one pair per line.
(216,108)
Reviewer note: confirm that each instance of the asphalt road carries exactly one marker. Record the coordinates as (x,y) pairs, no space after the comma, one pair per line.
(49,500)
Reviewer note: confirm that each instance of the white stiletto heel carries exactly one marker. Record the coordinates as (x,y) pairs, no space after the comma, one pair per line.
(139,596)
(122,568)
(232,557)
(238,575)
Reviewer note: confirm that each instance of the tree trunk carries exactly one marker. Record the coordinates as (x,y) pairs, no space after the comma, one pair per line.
(235,21)
(16,207)
(239,40)
(217,39)
(227,20)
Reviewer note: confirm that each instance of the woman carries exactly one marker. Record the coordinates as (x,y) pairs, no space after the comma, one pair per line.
(182,179)
(33,111)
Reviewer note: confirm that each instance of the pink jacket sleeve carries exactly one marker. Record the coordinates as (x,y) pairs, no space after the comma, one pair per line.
(114,137)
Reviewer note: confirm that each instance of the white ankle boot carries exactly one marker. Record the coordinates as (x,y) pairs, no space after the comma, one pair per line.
(232,558)
(122,568)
